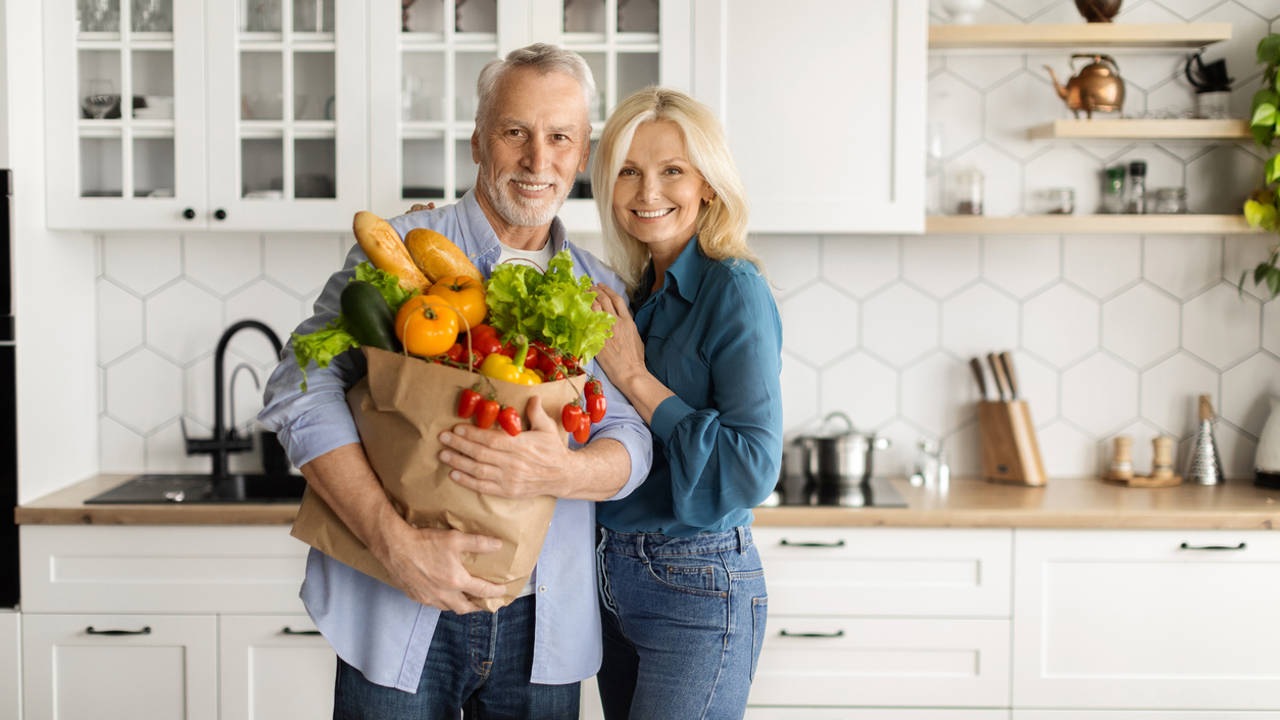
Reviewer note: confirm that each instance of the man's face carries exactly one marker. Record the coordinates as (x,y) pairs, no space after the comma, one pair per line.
(535,144)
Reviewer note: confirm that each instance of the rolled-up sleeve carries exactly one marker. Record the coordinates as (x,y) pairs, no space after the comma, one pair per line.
(727,457)
(310,424)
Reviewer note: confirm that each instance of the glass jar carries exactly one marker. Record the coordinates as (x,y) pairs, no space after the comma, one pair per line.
(966,191)
(1113,190)
(1056,201)
(1169,200)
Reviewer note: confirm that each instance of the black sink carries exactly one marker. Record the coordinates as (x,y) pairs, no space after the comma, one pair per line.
(190,489)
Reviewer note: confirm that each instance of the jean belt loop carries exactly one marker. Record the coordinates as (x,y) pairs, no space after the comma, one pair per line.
(742,539)
(640,538)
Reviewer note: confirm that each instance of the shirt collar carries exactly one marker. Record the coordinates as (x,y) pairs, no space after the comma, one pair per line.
(685,274)
(484,240)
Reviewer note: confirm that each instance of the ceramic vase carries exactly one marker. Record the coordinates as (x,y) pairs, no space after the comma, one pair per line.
(1098,10)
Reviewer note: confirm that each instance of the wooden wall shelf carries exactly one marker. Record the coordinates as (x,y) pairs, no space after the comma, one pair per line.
(1143,129)
(1078,35)
(1087,225)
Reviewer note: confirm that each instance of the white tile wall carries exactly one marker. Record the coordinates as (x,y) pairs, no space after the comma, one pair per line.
(1110,334)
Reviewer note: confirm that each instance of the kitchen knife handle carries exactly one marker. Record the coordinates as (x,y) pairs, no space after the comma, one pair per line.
(1002,383)
(1006,362)
(786,633)
(976,365)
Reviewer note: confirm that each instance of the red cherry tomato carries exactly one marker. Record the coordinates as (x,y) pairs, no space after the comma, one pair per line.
(509,419)
(468,401)
(571,417)
(596,405)
(486,414)
(593,388)
(456,352)
(583,433)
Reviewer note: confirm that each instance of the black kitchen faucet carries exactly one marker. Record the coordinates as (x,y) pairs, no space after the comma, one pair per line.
(224,440)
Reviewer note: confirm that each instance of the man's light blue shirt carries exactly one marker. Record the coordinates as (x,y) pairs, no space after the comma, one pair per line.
(376,627)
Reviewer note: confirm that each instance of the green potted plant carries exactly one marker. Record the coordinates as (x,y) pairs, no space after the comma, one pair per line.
(1261,210)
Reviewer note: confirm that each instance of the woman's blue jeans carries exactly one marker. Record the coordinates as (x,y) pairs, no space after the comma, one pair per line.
(684,619)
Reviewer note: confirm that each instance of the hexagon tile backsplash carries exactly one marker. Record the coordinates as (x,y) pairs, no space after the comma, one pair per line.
(1110,334)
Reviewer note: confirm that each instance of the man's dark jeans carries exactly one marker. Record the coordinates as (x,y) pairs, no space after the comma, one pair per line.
(479,663)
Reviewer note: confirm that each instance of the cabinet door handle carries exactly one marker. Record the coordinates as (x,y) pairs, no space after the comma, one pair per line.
(146,630)
(220,214)
(787,543)
(1186,546)
(189,213)
(785,633)
(286,630)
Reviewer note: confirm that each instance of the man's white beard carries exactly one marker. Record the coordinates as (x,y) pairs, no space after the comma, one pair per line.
(518,210)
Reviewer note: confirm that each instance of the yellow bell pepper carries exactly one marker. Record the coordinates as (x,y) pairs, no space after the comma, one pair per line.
(502,367)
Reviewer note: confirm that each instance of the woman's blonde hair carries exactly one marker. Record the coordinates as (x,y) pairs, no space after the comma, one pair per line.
(721,224)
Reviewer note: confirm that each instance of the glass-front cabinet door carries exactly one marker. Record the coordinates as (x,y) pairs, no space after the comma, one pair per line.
(288,98)
(432,51)
(124,109)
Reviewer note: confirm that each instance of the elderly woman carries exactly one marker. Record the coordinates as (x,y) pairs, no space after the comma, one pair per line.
(697,352)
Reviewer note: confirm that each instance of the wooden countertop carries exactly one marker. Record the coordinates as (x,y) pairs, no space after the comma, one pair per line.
(1063,503)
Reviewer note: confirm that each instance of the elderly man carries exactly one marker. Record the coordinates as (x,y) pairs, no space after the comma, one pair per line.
(421,649)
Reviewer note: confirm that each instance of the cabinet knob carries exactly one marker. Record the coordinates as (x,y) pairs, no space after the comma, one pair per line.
(189,213)
(220,214)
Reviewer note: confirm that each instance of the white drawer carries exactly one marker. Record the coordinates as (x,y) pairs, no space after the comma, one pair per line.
(835,661)
(795,713)
(167,569)
(1142,715)
(1147,619)
(887,571)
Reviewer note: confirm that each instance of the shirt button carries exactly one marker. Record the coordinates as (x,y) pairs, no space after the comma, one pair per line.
(542,588)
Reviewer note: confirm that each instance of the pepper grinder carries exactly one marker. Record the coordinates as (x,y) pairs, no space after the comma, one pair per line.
(1162,458)
(1122,458)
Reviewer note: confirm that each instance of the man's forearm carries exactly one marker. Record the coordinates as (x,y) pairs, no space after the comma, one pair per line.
(344,479)
(598,471)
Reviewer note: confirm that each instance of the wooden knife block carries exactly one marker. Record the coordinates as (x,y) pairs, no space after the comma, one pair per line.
(1010,453)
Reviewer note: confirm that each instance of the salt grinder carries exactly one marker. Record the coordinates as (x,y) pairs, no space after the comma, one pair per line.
(1162,457)
(1122,458)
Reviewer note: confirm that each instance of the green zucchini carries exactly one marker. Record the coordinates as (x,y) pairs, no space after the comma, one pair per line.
(367,316)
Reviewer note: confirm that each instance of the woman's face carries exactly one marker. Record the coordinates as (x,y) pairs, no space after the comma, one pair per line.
(658,190)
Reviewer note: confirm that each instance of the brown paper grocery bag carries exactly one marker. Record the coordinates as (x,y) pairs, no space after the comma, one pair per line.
(400,409)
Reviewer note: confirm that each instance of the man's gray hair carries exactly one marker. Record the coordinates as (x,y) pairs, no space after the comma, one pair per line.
(541,57)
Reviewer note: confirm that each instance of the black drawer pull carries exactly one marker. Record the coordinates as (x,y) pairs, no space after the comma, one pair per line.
(146,630)
(785,633)
(1185,546)
(286,630)
(787,543)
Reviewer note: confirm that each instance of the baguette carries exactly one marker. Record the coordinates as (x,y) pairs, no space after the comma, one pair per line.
(438,257)
(382,244)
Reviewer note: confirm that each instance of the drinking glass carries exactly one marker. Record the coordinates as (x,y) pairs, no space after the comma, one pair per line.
(99,98)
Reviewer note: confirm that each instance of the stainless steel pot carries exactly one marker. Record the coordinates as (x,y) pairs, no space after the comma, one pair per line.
(837,463)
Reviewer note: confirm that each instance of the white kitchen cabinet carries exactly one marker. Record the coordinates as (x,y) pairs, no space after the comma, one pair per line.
(213,115)
(274,666)
(824,107)
(884,617)
(1152,619)
(197,616)
(791,713)
(120,667)
(424,98)
(1142,715)
(10,665)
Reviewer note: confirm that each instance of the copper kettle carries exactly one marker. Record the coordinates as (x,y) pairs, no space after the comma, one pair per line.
(1097,86)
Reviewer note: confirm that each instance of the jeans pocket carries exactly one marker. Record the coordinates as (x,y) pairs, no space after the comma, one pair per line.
(694,575)
(759,618)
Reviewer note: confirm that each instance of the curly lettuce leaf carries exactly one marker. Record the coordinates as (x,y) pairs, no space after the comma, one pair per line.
(330,341)
(552,307)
